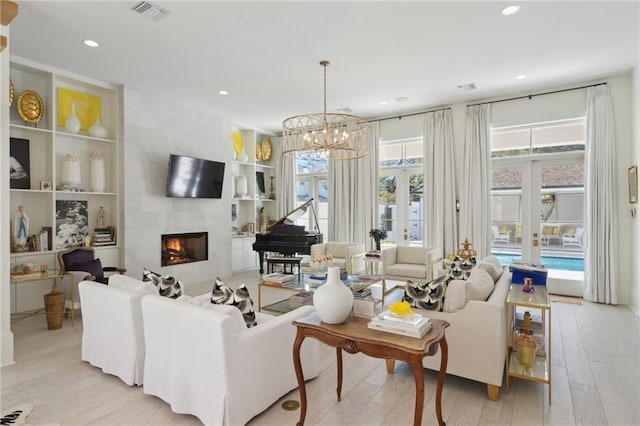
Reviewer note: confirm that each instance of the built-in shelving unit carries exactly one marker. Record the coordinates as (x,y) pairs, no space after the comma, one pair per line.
(49,142)
(247,220)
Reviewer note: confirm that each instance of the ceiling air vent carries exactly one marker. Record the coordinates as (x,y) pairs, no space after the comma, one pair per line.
(150,10)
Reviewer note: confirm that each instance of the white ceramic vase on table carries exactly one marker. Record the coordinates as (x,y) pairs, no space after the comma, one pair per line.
(333,301)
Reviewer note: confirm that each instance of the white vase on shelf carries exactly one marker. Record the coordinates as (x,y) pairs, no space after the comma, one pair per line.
(97,130)
(333,300)
(98,172)
(243,156)
(72,124)
(71,174)
(241,187)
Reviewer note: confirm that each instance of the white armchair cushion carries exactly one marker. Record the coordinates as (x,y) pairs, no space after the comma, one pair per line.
(337,249)
(415,255)
(204,300)
(408,270)
(131,284)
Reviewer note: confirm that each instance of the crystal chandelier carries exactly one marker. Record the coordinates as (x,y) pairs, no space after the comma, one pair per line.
(323,136)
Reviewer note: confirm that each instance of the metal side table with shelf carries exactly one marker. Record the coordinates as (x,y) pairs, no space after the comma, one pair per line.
(538,329)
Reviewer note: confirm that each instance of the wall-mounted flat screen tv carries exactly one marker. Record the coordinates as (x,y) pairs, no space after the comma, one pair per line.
(190,177)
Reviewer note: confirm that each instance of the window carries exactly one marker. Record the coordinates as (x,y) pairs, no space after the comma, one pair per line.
(312,182)
(538,138)
(402,152)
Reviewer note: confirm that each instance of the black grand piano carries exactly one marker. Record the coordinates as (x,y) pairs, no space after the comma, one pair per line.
(286,238)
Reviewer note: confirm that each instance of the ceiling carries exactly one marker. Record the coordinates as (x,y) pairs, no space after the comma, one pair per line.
(266,54)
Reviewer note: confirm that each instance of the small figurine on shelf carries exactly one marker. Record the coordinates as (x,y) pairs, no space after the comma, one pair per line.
(102,217)
(21,230)
(264,220)
(528,286)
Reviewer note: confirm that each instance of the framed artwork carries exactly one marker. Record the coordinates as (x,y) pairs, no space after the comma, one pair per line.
(234,212)
(19,166)
(260,182)
(632,175)
(72,223)
(87,107)
(45,186)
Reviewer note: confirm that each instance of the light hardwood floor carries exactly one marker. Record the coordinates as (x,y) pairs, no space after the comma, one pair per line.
(596,380)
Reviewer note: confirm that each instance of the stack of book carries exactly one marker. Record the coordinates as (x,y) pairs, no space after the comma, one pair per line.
(40,241)
(302,298)
(278,279)
(413,326)
(373,253)
(104,237)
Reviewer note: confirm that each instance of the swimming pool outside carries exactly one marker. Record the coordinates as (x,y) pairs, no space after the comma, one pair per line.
(552,262)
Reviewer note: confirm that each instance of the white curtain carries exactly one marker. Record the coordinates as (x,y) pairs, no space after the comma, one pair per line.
(475,200)
(600,255)
(440,217)
(285,182)
(353,194)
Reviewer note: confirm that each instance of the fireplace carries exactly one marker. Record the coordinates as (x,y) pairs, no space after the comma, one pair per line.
(184,248)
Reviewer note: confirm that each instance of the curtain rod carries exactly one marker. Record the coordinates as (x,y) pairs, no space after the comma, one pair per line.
(399,117)
(538,94)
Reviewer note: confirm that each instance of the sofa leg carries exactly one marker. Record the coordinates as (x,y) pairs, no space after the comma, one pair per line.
(390,365)
(492,392)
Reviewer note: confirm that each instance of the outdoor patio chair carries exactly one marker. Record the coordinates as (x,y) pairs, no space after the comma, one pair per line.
(573,239)
(500,237)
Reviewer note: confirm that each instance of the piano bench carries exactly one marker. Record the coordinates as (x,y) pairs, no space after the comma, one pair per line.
(284,261)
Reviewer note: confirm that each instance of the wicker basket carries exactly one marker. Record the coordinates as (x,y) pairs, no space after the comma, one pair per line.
(54,307)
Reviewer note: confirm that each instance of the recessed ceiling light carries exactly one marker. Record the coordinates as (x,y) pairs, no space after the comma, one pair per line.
(223,92)
(91,43)
(402,99)
(510,10)
(521,77)
(384,103)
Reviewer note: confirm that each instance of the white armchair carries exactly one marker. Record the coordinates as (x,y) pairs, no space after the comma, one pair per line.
(500,237)
(573,239)
(203,362)
(349,256)
(416,264)
(112,331)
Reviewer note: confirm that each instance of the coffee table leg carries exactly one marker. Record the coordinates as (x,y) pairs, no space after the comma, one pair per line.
(441,375)
(298,367)
(418,375)
(339,362)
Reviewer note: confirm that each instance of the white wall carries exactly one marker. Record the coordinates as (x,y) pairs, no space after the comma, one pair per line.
(568,104)
(6,336)
(153,129)
(634,158)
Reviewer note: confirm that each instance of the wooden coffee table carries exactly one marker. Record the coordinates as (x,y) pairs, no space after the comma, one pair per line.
(354,336)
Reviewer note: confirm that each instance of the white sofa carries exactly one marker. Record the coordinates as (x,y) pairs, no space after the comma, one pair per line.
(476,337)
(347,256)
(205,362)
(112,330)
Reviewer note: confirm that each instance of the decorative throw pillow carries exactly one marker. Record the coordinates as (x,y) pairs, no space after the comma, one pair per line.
(93,267)
(428,296)
(492,265)
(167,285)
(240,298)
(461,268)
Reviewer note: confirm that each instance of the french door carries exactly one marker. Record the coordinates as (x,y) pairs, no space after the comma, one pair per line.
(401,205)
(537,205)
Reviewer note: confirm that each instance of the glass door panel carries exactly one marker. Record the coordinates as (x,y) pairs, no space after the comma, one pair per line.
(401,206)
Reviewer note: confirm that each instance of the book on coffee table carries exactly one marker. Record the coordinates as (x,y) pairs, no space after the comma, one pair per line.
(415,326)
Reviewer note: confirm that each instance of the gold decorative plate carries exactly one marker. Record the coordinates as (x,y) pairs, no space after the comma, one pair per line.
(12,91)
(30,106)
(259,153)
(266,149)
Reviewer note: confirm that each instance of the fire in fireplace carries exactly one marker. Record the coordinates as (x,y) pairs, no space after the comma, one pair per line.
(184,248)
